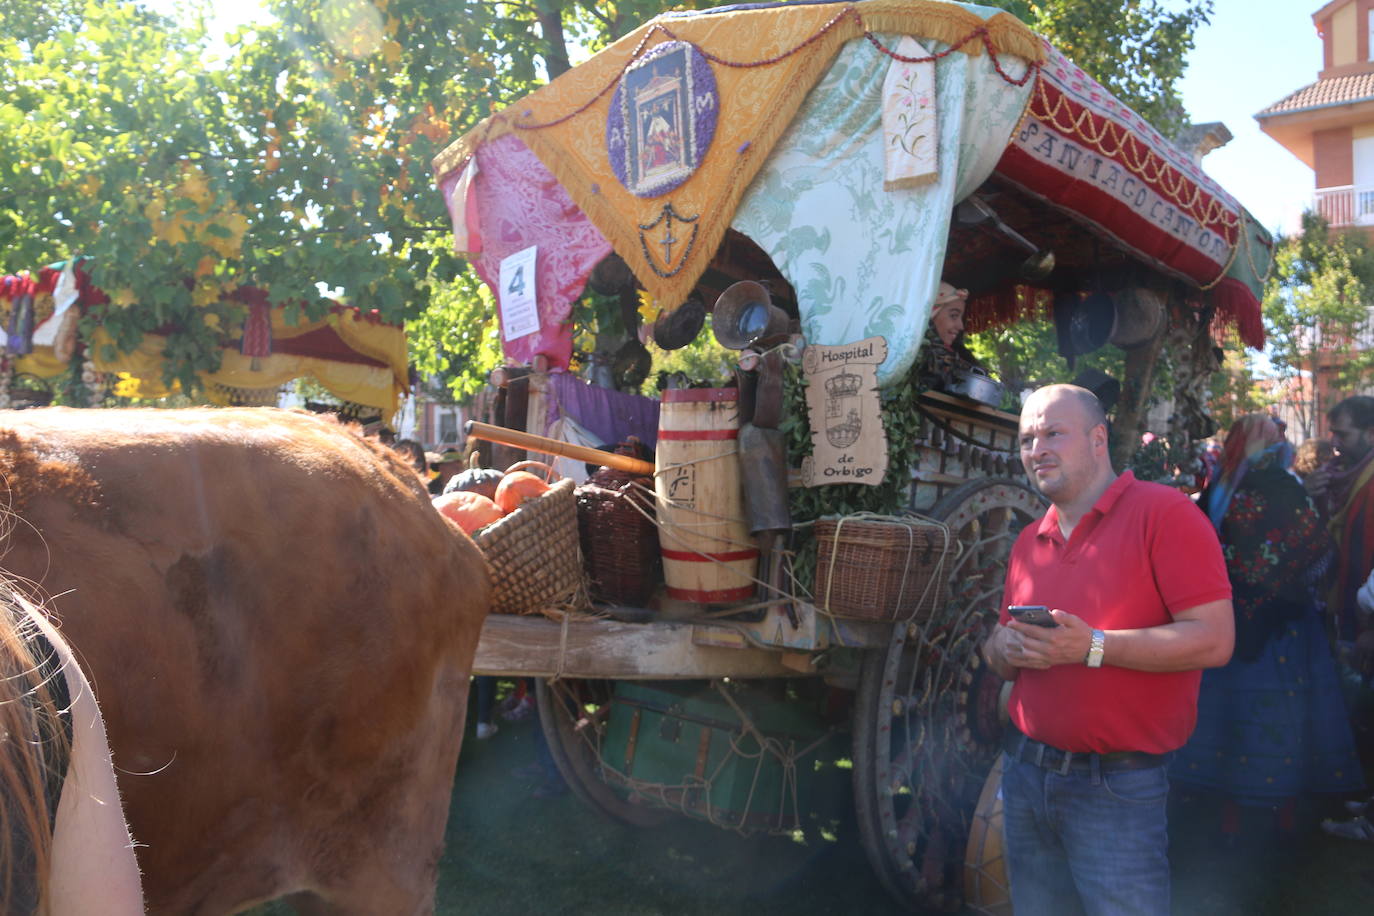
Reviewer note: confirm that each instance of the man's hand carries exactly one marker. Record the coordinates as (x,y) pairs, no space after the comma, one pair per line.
(1317,483)
(996,649)
(1045,647)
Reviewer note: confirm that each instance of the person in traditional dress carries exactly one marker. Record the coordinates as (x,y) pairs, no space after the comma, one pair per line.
(1272,724)
(1344,489)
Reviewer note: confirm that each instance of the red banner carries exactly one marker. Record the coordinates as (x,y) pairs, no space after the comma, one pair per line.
(1082,150)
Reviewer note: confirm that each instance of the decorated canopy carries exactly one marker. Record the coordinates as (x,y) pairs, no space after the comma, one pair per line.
(837,137)
(352,353)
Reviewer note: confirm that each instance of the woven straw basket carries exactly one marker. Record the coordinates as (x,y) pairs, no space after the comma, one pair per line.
(884,568)
(533,554)
(615,510)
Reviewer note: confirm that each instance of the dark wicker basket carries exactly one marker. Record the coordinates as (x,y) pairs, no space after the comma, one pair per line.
(615,515)
(884,568)
(533,554)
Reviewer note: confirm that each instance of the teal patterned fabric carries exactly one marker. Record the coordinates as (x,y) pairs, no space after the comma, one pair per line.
(863,260)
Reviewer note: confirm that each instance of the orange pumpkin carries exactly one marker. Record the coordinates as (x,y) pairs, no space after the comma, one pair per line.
(547,473)
(469,510)
(517,487)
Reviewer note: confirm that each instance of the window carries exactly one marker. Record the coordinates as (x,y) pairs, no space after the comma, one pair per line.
(448,426)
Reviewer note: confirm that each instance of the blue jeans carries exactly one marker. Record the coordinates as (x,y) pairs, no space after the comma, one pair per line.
(1085,842)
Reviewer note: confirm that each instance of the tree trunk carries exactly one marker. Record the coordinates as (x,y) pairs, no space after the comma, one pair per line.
(1135,398)
(551,27)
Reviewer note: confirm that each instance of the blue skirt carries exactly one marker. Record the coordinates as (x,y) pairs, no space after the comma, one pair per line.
(1273,728)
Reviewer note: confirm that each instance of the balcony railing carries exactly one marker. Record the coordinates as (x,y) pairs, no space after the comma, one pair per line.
(1350,205)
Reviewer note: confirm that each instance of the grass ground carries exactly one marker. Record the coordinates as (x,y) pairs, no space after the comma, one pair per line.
(510,854)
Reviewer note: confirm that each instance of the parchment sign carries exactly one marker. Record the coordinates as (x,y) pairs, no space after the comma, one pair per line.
(847,440)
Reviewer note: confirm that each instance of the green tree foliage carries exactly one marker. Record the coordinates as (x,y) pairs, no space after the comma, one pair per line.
(100,106)
(1236,390)
(1316,307)
(1136,48)
(300,163)
(454,339)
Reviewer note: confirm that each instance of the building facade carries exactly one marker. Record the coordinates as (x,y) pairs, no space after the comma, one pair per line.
(1329,125)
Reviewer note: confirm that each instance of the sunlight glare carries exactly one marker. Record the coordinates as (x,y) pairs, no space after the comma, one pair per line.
(353,27)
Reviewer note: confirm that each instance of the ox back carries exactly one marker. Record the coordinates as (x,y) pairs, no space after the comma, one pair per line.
(279,629)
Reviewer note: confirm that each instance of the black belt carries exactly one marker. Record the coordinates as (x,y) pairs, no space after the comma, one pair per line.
(1028,750)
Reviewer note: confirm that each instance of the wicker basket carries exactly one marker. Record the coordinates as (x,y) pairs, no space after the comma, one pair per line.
(615,512)
(533,553)
(884,568)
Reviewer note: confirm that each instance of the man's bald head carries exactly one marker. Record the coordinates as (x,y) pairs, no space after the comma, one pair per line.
(1064,446)
(1081,398)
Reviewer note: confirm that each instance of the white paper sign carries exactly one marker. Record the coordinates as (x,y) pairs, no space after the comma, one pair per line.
(519,309)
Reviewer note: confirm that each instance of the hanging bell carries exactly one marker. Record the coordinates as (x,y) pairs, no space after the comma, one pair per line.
(745,315)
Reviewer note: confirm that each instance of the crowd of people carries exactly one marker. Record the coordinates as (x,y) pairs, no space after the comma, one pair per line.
(1186,641)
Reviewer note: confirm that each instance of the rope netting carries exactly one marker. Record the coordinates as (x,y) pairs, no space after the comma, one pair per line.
(694,796)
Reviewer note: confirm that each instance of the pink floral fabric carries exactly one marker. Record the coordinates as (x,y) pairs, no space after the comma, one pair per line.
(522,204)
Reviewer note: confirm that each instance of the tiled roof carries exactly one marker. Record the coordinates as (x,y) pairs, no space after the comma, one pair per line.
(1335,90)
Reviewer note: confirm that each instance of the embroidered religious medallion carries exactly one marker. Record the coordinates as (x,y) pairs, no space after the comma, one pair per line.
(668,240)
(662,119)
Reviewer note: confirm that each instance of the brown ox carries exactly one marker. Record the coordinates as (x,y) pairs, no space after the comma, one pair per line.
(279,629)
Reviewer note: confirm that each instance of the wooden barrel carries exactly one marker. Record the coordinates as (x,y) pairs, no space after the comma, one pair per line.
(986,888)
(708,555)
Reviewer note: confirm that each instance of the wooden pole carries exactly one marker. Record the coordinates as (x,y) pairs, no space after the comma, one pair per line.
(1135,396)
(547,446)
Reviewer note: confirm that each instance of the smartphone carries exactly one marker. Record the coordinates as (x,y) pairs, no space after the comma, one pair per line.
(1036,614)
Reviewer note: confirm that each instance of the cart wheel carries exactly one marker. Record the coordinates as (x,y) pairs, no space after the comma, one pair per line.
(929,713)
(572,715)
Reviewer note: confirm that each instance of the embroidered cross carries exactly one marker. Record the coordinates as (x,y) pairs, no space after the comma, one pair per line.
(668,239)
(667,216)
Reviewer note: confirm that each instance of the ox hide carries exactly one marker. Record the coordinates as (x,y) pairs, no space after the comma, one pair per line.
(279,629)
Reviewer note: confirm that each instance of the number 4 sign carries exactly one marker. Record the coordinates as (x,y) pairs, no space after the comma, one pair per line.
(519,309)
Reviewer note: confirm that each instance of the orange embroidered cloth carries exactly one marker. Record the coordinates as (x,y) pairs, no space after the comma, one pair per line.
(763,63)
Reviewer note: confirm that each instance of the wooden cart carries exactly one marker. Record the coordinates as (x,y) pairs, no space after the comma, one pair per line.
(926,713)
(1072,171)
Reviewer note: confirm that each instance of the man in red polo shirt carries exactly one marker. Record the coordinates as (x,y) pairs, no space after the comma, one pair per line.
(1137,588)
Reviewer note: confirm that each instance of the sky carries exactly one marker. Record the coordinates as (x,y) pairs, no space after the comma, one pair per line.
(1252,54)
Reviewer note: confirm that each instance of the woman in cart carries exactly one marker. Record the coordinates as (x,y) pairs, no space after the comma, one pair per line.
(944,353)
(1271,724)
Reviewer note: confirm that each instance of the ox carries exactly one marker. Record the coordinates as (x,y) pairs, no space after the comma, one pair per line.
(279,629)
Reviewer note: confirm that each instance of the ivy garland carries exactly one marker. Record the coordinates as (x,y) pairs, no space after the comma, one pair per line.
(902,423)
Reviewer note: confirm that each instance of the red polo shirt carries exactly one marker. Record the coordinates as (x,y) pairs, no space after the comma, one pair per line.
(1143,553)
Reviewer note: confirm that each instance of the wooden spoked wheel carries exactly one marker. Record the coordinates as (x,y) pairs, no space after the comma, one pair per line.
(572,715)
(927,719)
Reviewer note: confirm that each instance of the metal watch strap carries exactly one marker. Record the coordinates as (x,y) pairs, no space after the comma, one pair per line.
(1094,657)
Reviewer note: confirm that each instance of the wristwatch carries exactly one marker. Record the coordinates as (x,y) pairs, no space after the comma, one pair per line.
(1094,659)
